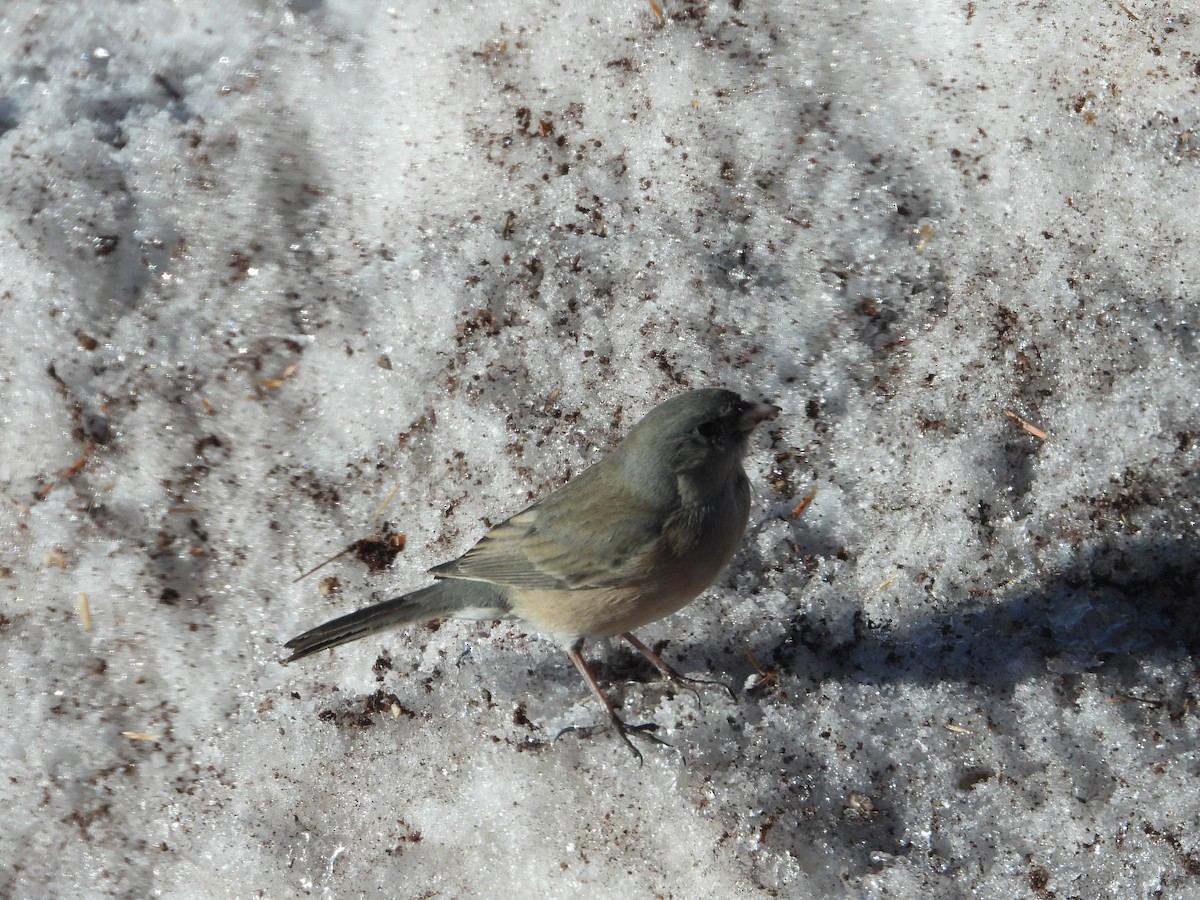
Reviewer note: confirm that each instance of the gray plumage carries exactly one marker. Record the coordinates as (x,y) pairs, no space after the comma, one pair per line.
(632,539)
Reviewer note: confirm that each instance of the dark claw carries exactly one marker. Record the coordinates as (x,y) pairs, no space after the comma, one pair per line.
(669,673)
(624,731)
(683,683)
(714,684)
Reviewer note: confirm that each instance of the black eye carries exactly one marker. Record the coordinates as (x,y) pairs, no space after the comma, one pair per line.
(709,429)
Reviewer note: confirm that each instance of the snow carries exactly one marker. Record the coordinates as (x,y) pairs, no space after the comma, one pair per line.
(275,274)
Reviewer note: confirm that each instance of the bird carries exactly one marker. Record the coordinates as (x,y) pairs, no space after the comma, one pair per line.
(631,539)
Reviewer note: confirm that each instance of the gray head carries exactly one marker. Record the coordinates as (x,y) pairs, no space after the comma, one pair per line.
(700,436)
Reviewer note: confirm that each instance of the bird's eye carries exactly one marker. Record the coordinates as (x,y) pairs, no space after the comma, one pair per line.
(709,429)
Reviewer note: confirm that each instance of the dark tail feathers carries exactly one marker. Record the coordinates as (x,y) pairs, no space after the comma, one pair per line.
(452,596)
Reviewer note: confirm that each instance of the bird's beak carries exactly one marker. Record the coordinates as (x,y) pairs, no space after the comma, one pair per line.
(752,414)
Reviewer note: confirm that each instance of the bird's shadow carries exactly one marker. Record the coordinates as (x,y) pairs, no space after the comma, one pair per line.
(1104,616)
(1106,608)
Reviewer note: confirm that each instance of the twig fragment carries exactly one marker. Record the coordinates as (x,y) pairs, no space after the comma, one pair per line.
(1032,429)
(803,504)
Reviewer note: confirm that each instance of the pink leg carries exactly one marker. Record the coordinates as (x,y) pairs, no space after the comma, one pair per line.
(669,673)
(659,664)
(574,654)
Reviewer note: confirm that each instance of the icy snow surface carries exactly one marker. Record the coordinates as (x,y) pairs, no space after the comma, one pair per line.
(275,274)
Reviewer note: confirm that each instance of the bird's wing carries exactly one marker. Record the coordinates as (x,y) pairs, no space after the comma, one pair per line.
(586,534)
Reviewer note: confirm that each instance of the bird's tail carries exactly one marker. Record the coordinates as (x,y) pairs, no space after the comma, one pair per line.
(450,597)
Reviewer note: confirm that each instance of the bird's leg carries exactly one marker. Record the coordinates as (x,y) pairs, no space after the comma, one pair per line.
(669,673)
(643,731)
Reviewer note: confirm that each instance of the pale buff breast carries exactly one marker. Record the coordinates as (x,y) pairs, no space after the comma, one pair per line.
(693,551)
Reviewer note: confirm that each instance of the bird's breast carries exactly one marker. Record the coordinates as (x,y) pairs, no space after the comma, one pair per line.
(696,543)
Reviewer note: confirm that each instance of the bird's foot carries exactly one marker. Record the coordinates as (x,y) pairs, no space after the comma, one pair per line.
(671,676)
(623,730)
(693,686)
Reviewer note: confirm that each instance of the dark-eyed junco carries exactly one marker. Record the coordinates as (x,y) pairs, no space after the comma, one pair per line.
(632,539)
